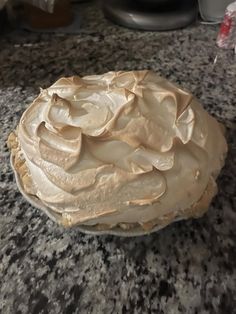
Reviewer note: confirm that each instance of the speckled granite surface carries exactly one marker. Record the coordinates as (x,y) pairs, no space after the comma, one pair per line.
(189,267)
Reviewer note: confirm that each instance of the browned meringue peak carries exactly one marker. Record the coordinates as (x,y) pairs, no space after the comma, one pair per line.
(122,147)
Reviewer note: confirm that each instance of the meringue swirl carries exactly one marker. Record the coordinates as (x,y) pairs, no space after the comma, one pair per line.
(123,147)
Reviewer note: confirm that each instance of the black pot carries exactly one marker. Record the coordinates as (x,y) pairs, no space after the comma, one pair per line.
(3,18)
(168,4)
(151,15)
(157,2)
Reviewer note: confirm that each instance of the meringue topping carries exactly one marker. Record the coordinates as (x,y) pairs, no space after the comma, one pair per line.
(122,147)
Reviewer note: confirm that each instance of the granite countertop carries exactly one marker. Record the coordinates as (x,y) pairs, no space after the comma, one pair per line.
(190,266)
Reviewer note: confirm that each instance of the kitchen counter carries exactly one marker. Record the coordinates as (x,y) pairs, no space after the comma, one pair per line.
(190,266)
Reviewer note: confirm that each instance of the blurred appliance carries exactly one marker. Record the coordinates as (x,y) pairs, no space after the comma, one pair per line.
(213,10)
(151,14)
